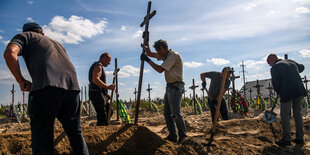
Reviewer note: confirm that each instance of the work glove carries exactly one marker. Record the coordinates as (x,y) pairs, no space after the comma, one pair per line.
(204,84)
(143,57)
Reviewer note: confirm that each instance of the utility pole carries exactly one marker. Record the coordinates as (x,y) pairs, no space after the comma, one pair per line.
(149,90)
(193,87)
(244,88)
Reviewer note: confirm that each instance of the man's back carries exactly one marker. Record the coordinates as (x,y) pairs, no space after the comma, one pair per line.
(47,61)
(286,79)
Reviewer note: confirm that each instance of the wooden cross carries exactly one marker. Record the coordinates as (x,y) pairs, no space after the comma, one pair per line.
(149,90)
(257,86)
(233,78)
(250,93)
(12,104)
(135,94)
(116,88)
(306,83)
(145,36)
(112,93)
(193,87)
(270,92)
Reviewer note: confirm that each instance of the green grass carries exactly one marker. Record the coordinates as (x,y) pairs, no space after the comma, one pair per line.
(2,116)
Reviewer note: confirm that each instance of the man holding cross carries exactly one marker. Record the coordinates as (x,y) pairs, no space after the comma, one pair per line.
(173,67)
(287,82)
(98,89)
(214,91)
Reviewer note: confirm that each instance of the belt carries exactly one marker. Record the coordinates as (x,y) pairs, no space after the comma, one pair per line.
(94,89)
(170,84)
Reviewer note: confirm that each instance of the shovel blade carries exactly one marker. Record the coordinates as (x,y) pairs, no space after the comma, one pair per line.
(269,117)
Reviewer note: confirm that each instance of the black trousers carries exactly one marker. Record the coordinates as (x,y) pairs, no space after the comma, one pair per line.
(223,109)
(43,107)
(101,106)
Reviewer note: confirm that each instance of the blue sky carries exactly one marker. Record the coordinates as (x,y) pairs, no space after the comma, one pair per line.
(208,34)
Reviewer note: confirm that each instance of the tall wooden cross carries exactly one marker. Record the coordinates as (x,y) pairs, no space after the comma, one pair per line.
(193,87)
(257,86)
(149,90)
(116,88)
(145,36)
(116,70)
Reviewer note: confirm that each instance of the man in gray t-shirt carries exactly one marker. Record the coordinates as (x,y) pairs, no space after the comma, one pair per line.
(214,91)
(54,90)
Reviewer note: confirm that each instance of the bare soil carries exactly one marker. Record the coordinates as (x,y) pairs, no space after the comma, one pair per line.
(240,135)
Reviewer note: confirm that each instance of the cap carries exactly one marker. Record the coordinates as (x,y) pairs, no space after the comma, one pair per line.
(229,70)
(31,25)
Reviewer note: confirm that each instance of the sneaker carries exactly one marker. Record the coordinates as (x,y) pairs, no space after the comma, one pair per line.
(283,143)
(169,138)
(298,141)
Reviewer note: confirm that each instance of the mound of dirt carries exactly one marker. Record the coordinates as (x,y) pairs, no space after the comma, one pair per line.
(240,135)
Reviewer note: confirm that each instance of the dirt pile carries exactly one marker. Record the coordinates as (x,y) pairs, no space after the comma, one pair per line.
(240,135)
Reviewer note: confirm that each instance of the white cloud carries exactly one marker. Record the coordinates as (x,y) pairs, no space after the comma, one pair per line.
(30,2)
(5,42)
(302,10)
(74,29)
(192,64)
(249,6)
(254,64)
(301,1)
(123,28)
(30,19)
(138,34)
(127,71)
(218,61)
(305,53)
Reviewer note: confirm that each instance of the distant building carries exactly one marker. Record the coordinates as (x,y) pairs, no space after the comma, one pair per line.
(264,91)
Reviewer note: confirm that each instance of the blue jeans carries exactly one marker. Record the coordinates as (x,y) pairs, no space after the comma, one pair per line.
(172,110)
(43,107)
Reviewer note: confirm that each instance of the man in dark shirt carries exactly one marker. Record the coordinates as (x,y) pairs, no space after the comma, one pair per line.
(54,90)
(98,89)
(214,91)
(287,83)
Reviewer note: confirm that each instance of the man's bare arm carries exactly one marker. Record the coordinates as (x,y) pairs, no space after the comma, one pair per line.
(11,58)
(96,78)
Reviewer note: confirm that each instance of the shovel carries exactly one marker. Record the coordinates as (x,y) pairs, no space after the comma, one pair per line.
(270,116)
